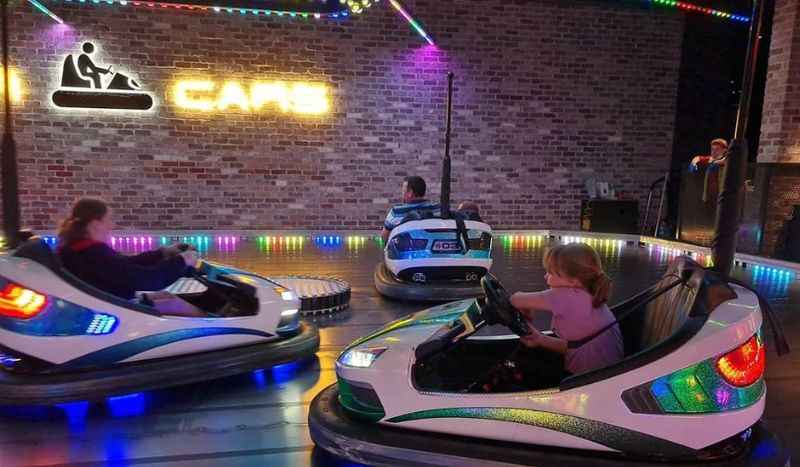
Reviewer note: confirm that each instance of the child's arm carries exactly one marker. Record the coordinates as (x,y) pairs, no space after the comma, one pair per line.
(527,302)
(537,339)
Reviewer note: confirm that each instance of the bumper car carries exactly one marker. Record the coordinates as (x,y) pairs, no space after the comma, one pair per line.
(62,339)
(690,389)
(435,260)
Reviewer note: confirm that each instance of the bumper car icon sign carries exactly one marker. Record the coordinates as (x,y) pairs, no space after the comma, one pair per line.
(82,86)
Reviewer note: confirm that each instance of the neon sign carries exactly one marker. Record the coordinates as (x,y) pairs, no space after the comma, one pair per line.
(15,85)
(85,85)
(225,96)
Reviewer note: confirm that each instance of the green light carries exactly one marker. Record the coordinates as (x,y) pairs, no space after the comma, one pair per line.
(700,389)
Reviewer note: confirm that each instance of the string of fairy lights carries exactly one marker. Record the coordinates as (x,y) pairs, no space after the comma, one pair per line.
(701,9)
(348,9)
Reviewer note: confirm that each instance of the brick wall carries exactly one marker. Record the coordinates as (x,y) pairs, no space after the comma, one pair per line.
(548,93)
(780,127)
(783,194)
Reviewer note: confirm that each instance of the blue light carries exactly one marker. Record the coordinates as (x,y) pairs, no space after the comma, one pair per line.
(102,324)
(285,372)
(116,449)
(8,361)
(764,450)
(129,405)
(76,414)
(259,379)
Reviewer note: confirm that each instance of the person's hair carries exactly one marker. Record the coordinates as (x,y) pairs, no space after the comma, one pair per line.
(84,211)
(581,262)
(720,142)
(416,184)
(468,206)
(470,211)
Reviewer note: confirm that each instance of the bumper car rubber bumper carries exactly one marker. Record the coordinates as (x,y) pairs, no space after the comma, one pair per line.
(48,389)
(390,286)
(338,434)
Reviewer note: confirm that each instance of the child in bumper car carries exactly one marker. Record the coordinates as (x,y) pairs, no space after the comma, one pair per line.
(576,298)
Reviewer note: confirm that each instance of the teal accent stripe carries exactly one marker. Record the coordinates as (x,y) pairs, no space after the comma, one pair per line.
(440,314)
(614,437)
(125,350)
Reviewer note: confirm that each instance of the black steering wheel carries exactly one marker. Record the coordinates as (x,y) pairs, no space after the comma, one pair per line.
(498,308)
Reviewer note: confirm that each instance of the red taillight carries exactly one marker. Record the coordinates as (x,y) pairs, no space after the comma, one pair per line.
(744,365)
(18,302)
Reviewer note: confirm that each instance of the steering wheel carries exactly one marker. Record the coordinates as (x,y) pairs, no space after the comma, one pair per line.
(498,308)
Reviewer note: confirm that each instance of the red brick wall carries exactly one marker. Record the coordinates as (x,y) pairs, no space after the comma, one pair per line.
(783,193)
(780,127)
(548,93)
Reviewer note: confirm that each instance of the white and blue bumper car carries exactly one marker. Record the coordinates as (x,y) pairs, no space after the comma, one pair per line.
(435,260)
(690,389)
(62,339)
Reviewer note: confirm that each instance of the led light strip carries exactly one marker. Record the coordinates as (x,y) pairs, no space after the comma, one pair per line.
(350,7)
(414,24)
(700,9)
(218,9)
(46,11)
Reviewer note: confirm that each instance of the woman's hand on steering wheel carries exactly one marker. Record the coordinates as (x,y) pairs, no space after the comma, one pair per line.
(498,308)
(190,257)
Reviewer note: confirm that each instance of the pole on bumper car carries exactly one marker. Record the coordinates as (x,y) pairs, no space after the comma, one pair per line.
(11,214)
(731,195)
(444,201)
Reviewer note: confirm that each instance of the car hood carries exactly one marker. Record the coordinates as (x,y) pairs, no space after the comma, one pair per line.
(415,328)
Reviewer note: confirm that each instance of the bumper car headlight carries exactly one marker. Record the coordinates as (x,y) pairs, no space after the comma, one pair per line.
(286,294)
(289,323)
(361,358)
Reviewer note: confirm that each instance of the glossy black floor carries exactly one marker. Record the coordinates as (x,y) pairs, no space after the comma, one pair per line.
(260,418)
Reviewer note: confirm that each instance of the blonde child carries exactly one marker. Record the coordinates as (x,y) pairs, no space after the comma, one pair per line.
(577,297)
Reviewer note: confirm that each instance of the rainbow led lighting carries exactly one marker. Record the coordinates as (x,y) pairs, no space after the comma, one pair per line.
(699,9)
(349,7)
(46,11)
(343,13)
(700,389)
(414,24)
(290,243)
(358,6)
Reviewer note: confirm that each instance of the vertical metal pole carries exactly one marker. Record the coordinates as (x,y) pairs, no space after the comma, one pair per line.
(11,214)
(661,204)
(444,202)
(643,230)
(731,195)
(751,62)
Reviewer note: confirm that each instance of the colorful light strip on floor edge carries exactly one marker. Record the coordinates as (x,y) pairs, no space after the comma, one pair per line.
(219,9)
(700,9)
(414,24)
(46,11)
